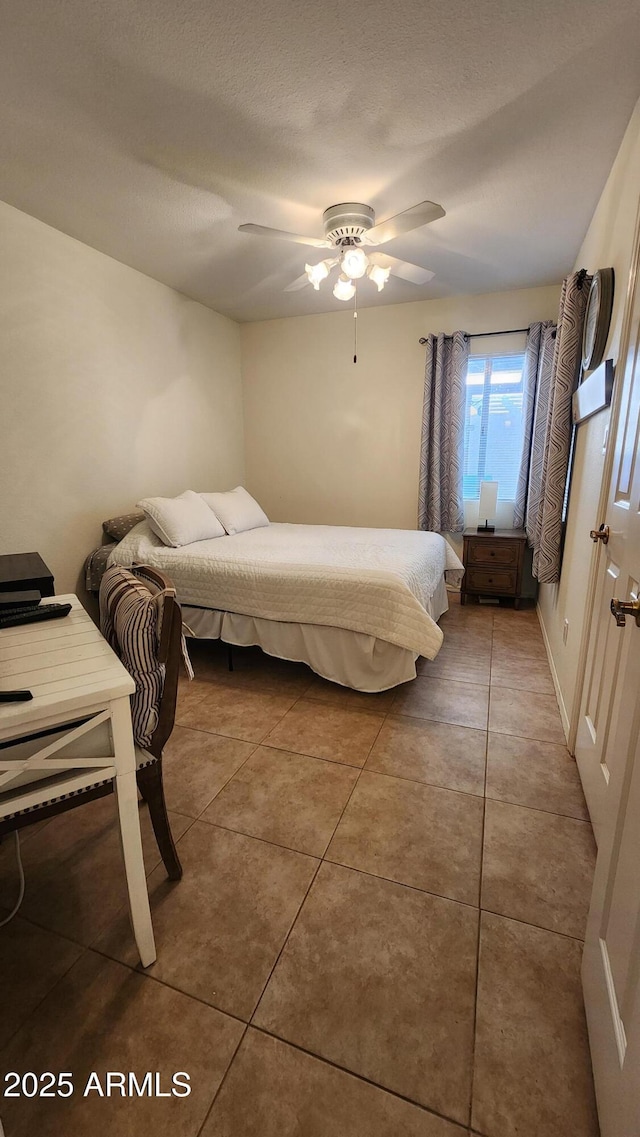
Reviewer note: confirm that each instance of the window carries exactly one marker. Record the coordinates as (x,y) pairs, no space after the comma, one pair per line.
(493,423)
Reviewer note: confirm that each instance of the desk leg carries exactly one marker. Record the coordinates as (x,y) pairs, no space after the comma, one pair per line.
(127,797)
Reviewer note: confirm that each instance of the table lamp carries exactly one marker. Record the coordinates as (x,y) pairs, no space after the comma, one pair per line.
(487,507)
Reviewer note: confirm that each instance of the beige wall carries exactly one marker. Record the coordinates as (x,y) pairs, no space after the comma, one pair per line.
(330,441)
(112,387)
(608,242)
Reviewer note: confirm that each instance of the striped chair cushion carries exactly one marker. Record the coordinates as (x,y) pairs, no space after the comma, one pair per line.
(130,617)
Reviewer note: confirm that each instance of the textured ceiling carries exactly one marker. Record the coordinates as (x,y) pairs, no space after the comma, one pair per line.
(150,129)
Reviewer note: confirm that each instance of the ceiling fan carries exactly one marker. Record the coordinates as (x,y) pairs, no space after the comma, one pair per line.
(348,228)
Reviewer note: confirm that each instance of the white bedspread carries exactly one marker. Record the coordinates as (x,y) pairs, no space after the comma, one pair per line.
(376,581)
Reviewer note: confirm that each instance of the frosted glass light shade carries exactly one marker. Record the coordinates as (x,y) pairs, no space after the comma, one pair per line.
(344,289)
(354,263)
(379,275)
(488,504)
(317,273)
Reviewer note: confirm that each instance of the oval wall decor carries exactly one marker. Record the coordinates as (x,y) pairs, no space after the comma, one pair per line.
(597,318)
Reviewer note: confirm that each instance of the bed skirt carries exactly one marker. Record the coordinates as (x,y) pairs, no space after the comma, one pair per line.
(352,659)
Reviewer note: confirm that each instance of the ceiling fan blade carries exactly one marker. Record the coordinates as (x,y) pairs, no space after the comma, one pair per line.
(282,235)
(404,222)
(415,274)
(298,283)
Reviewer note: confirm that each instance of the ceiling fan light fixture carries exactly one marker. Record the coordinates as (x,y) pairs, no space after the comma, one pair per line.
(347,225)
(317,273)
(378,275)
(344,289)
(354,262)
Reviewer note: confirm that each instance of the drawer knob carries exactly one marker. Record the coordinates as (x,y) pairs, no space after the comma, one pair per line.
(493,553)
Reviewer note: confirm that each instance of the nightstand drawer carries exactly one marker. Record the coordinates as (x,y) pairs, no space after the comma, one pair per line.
(502,582)
(485,552)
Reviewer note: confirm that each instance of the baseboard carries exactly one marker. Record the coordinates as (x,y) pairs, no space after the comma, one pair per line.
(566,724)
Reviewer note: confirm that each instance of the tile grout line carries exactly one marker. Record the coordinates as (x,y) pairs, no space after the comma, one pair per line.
(265,840)
(427,785)
(359,1077)
(478,934)
(350,868)
(144,973)
(537,927)
(385,715)
(219,681)
(539,809)
(536,809)
(222,1080)
(218,792)
(59,979)
(403,884)
(264,740)
(353,788)
(285,941)
(321,861)
(271,746)
(324,858)
(294,704)
(124,906)
(305,754)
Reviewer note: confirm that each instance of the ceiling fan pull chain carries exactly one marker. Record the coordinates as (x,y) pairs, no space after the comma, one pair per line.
(355,326)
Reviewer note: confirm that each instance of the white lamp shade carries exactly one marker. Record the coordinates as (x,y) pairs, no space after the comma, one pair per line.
(379,276)
(317,273)
(488,505)
(344,289)
(354,263)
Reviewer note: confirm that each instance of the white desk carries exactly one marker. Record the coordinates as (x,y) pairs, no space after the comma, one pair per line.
(73,675)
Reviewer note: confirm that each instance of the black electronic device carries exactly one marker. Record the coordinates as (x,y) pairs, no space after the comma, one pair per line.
(15,696)
(29,615)
(10,600)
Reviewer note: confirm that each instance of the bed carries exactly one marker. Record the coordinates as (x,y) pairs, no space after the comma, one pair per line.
(357,605)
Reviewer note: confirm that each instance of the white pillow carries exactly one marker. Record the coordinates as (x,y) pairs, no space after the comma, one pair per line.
(181,520)
(237,510)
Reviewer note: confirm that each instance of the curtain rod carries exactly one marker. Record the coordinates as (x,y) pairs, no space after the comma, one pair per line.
(477,335)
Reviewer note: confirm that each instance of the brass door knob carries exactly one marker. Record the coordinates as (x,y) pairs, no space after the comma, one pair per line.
(601,534)
(623,608)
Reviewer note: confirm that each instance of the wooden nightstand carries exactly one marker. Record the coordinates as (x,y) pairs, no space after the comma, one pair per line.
(20,572)
(497,564)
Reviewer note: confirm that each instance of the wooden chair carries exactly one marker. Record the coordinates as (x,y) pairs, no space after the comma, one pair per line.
(149,774)
(149,757)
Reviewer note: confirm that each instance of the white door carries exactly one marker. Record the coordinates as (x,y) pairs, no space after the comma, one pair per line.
(611,715)
(593,745)
(592,749)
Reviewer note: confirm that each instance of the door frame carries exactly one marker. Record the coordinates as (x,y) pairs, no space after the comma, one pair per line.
(614,419)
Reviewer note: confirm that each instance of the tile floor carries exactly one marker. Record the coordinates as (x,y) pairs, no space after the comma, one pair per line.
(378,932)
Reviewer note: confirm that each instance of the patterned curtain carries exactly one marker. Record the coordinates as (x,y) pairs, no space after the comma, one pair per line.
(440,499)
(552,433)
(538,360)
